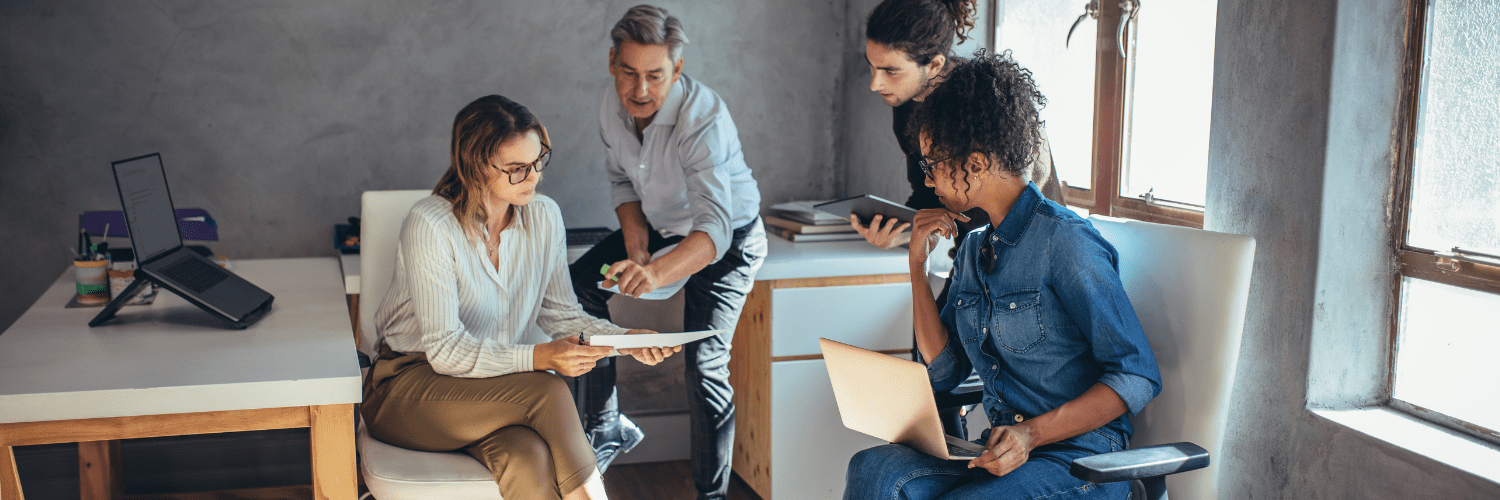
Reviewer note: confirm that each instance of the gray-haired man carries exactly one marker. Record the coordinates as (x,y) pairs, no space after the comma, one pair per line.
(677,176)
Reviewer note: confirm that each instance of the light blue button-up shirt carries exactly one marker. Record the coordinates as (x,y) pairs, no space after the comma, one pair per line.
(688,171)
(1048,322)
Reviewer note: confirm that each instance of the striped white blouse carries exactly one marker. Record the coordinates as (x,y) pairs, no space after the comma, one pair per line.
(448,301)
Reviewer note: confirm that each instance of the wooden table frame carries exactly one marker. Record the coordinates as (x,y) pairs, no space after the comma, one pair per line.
(99,447)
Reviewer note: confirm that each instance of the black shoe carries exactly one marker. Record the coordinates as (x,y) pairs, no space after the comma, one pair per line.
(610,441)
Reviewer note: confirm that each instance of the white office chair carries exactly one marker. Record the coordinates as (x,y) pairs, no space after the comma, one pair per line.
(392,472)
(1189,288)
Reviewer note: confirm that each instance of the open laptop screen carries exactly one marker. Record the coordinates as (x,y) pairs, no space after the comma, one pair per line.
(148,206)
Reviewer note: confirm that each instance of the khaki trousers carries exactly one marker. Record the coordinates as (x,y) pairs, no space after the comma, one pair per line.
(523,426)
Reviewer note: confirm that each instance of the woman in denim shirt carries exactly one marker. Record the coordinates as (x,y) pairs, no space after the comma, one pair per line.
(1036,308)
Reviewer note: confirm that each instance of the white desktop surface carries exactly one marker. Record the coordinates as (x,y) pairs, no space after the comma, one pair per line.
(171,357)
(825,259)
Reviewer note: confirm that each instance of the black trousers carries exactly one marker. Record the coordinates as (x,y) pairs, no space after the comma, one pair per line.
(714,297)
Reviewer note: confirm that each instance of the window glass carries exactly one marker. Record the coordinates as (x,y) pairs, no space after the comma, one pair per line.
(1035,31)
(1445,352)
(1456,169)
(1170,97)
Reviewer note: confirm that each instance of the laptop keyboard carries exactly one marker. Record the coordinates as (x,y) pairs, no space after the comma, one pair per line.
(195,274)
(958,451)
(578,236)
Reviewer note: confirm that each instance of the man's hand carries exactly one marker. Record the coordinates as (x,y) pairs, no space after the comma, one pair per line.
(931,223)
(650,355)
(567,356)
(885,235)
(638,255)
(635,279)
(1009,447)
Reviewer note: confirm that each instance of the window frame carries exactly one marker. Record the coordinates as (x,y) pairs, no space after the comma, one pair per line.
(1110,102)
(1415,262)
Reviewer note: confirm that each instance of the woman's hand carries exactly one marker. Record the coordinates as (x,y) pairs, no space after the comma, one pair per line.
(885,235)
(1009,447)
(635,279)
(567,356)
(650,355)
(931,223)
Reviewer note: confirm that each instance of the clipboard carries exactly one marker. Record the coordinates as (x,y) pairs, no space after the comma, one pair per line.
(866,207)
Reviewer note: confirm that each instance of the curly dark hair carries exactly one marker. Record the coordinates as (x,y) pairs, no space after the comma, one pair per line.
(922,29)
(987,105)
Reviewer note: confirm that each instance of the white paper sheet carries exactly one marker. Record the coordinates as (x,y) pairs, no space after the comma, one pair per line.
(628,341)
(661,293)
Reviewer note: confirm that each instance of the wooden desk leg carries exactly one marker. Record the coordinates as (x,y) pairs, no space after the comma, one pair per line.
(333,464)
(10,481)
(99,468)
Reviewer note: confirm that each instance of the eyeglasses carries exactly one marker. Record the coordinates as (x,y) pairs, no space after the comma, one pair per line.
(928,165)
(522,172)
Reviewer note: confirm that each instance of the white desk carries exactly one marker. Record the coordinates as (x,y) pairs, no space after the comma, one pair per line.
(171,369)
(790,442)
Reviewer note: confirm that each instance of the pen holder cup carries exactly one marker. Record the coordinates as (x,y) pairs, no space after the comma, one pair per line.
(93,283)
(119,279)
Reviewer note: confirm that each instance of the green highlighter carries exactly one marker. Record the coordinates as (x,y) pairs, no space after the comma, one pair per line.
(605,271)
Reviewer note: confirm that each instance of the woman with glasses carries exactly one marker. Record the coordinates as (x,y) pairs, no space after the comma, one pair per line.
(477,263)
(1036,307)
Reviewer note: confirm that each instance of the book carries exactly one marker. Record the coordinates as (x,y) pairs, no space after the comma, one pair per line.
(802,228)
(804,238)
(803,211)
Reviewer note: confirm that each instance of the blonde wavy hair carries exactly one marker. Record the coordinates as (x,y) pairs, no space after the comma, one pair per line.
(478,131)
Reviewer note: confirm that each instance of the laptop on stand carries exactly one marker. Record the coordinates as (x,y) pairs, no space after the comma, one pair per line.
(161,258)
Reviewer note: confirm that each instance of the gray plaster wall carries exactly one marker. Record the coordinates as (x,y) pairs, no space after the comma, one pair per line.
(274,116)
(1301,156)
(871,160)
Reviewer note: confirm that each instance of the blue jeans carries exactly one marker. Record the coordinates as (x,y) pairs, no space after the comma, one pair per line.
(896,472)
(713,300)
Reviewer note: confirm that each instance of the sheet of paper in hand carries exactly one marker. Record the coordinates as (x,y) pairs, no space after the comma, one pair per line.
(664,292)
(629,341)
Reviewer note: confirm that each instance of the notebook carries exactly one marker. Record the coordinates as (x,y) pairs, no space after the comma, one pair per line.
(161,258)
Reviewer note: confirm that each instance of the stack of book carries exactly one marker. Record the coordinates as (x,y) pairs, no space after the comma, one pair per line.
(799,221)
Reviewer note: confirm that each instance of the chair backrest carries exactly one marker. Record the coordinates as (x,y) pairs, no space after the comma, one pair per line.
(1190,288)
(380,217)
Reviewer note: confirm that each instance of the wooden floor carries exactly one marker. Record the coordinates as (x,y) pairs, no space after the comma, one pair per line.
(662,480)
(649,481)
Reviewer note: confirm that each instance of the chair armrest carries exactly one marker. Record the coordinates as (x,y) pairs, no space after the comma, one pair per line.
(364,359)
(963,395)
(1140,463)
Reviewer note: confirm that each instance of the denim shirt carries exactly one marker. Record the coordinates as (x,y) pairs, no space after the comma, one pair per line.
(1050,321)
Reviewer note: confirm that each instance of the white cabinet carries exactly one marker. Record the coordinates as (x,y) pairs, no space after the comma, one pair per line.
(810,447)
(876,317)
(790,442)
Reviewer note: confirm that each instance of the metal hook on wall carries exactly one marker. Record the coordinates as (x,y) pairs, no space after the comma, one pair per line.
(1128,10)
(1090,10)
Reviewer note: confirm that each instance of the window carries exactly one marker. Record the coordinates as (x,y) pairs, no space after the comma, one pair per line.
(1129,135)
(1448,238)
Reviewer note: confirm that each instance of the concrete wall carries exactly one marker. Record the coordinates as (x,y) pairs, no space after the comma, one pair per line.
(1301,158)
(274,116)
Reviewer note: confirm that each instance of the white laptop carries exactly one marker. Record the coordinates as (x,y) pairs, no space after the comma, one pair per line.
(890,398)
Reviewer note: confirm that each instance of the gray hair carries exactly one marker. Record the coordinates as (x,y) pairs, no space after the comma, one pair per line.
(650,25)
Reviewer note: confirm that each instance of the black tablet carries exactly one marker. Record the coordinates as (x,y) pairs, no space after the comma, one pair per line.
(867,207)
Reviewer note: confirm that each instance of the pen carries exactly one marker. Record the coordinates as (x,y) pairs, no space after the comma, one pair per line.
(83,246)
(88,245)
